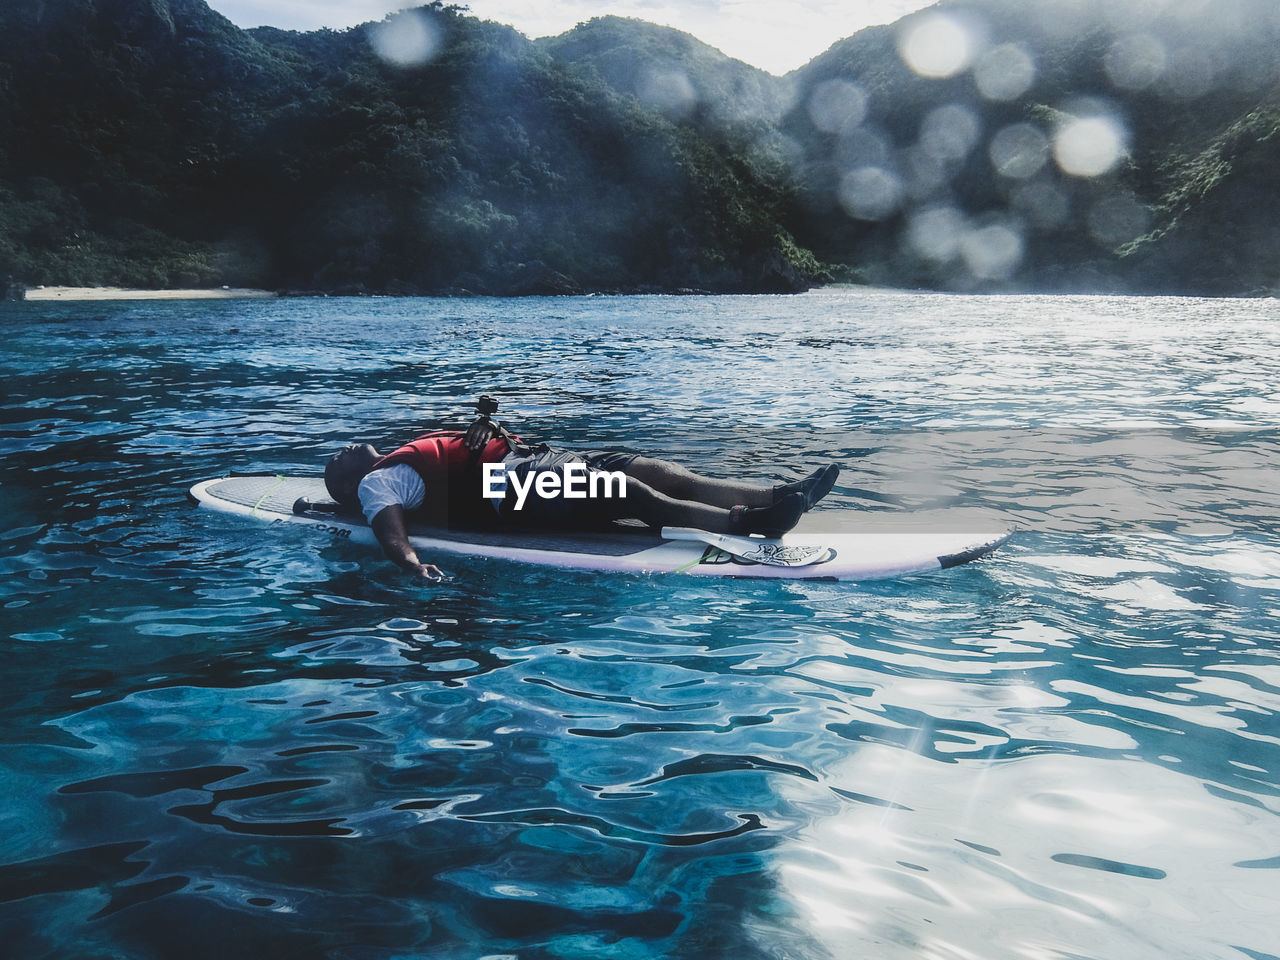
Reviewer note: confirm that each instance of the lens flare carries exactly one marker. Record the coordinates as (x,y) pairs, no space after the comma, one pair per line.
(992,252)
(405,39)
(1004,73)
(1018,151)
(837,106)
(935,233)
(1135,62)
(1088,146)
(949,132)
(670,92)
(936,46)
(870,193)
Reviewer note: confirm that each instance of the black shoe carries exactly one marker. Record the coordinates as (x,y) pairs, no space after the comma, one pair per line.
(771,521)
(814,487)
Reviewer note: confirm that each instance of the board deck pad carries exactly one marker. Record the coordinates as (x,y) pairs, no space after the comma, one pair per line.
(773,553)
(813,556)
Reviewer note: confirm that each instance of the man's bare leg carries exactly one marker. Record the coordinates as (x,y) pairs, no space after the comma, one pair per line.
(681,483)
(657,509)
(678,483)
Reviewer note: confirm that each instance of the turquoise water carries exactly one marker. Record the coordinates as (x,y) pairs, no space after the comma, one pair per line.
(227,740)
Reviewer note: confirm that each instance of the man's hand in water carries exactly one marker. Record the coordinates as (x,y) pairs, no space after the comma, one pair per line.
(388,527)
(479,433)
(429,572)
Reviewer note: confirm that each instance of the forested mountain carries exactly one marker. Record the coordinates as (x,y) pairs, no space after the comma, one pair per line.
(151,142)
(1063,144)
(980,144)
(673,73)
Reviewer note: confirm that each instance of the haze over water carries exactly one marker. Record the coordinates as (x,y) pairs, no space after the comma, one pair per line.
(220,736)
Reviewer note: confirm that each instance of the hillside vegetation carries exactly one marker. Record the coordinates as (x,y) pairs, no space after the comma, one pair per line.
(150,142)
(1061,145)
(978,145)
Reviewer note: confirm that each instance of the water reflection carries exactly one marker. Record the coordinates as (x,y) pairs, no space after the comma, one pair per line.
(1067,749)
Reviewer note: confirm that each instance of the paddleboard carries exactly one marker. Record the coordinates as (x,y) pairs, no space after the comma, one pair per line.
(797,556)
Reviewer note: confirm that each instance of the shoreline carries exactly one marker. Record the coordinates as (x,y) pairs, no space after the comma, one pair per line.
(127,293)
(54,294)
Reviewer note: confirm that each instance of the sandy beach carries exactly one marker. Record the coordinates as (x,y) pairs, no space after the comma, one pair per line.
(124,293)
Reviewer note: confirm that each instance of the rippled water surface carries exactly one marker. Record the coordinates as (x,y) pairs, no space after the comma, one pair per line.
(228,740)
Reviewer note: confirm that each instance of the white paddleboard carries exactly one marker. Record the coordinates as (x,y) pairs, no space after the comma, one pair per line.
(797,556)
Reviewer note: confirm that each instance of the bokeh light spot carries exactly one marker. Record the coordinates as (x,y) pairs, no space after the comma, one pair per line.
(949,132)
(1005,72)
(870,193)
(837,106)
(405,39)
(1136,61)
(1018,151)
(670,92)
(992,252)
(935,45)
(1088,146)
(935,233)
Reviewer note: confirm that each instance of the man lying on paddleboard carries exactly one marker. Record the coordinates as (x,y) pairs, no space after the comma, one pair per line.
(485,476)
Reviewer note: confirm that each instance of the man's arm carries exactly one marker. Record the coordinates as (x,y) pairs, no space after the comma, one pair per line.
(388,527)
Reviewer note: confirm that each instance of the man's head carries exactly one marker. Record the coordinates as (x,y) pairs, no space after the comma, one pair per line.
(345,470)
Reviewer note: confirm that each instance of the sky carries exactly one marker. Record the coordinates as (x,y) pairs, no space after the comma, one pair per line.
(776,35)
